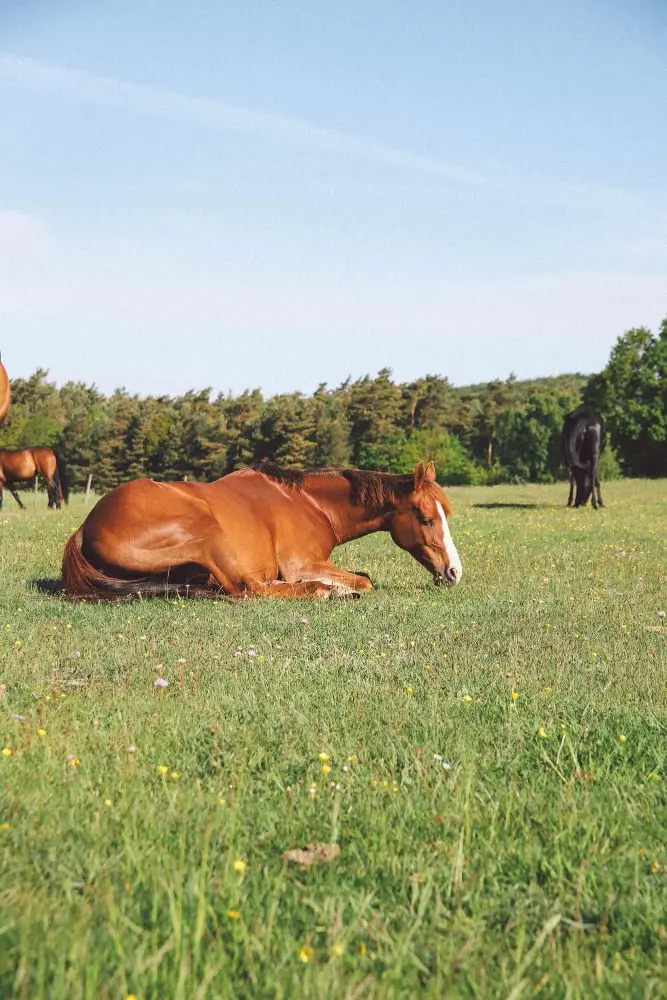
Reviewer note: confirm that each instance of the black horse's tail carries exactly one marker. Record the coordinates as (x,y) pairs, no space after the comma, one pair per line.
(60,477)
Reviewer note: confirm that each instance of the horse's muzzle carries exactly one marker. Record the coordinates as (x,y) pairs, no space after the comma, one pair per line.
(449,578)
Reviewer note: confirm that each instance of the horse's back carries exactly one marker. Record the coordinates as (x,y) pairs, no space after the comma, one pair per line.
(143,500)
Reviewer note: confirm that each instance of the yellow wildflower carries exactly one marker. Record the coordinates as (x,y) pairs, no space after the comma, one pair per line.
(41,732)
(175,775)
(655,867)
(409,690)
(7,752)
(337,949)
(233,914)
(622,737)
(323,756)
(162,769)
(221,802)
(326,769)
(362,948)
(306,954)
(541,732)
(515,695)
(467,697)
(4,826)
(240,866)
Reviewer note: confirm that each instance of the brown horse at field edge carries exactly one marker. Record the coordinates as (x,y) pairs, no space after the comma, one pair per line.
(266,532)
(29,462)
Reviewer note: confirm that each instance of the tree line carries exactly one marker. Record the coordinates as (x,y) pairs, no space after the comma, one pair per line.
(502,431)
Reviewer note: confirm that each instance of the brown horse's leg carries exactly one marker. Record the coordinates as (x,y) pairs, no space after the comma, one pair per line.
(278,590)
(308,585)
(53,494)
(331,575)
(16,496)
(303,590)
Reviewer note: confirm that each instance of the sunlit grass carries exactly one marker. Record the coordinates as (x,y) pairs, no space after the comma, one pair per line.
(491,760)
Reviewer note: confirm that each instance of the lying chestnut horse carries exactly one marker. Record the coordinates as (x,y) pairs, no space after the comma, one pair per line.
(5,393)
(29,462)
(267,532)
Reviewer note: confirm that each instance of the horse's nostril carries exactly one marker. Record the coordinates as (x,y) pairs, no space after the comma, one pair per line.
(452,574)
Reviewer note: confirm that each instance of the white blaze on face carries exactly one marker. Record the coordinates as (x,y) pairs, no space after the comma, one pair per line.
(455,566)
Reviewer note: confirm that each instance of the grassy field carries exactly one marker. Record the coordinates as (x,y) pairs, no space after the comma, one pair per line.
(491,760)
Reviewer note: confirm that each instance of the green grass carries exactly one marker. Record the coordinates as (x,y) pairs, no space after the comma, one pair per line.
(532,866)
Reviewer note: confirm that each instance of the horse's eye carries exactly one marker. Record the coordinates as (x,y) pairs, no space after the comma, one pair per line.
(421,517)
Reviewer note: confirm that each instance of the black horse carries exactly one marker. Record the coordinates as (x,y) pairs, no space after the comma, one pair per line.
(583,442)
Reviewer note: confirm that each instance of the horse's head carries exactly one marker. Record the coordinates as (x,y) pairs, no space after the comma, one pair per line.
(419,526)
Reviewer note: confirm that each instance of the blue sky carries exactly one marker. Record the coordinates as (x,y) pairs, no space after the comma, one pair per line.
(277,194)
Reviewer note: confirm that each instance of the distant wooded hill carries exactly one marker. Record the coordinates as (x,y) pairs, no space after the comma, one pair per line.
(503,430)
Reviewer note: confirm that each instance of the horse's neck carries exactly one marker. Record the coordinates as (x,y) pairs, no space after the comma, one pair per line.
(332,496)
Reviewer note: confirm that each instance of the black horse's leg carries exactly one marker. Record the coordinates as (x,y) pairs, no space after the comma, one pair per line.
(571,496)
(16,496)
(597,486)
(595,479)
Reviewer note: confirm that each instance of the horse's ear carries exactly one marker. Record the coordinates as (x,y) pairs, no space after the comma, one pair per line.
(429,475)
(420,475)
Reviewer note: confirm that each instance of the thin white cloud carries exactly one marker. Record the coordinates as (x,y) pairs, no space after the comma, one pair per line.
(76,85)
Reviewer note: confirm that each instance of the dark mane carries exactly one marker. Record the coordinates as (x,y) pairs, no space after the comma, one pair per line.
(367,489)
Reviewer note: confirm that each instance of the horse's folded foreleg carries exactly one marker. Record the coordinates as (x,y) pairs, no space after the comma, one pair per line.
(303,589)
(326,573)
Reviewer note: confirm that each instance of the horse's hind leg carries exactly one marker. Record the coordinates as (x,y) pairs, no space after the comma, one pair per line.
(597,486)
(571,496)
(53,493)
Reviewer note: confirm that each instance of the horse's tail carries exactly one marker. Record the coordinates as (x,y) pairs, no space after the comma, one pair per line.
(584,481)
(80,579)
(60,477)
